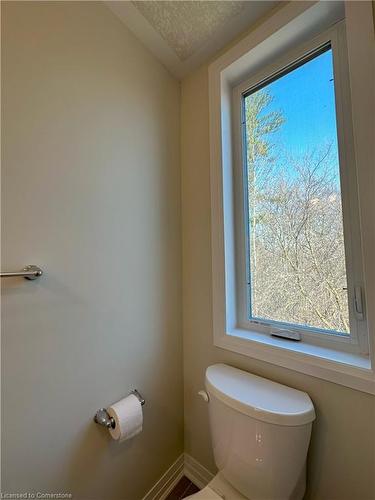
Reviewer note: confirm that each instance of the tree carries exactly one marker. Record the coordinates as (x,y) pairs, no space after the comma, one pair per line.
(300,272)
(259,125)
(297,255)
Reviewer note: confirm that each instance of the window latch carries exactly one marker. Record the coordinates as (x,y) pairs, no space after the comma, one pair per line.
(286,334)
(358,303)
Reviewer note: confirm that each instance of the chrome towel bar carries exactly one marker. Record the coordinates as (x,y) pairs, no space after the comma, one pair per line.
(30,272)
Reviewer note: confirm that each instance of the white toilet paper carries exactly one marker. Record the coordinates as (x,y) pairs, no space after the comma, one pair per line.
(128,417)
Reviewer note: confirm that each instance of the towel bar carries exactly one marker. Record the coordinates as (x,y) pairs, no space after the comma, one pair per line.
(30,272)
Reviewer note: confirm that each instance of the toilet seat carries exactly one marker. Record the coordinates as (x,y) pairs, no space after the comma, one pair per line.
(218,489)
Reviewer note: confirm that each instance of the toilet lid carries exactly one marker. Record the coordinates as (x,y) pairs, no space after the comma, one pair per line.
(258,397)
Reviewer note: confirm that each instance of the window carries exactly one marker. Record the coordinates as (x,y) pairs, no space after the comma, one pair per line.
(296,278)
(294,222)
(288,254)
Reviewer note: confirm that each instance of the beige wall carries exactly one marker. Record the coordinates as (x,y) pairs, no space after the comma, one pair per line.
(91,192)
(341,463)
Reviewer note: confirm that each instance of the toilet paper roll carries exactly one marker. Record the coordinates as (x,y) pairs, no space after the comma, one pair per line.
(128,417)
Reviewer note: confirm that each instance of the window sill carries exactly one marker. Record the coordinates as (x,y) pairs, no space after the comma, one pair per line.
(350,370)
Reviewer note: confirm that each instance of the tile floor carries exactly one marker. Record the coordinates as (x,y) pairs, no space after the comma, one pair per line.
(183,489)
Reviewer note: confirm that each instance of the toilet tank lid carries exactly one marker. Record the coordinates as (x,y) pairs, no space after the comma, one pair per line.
(258,397)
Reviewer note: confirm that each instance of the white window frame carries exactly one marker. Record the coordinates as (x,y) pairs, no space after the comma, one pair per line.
(357,342)
(345,361)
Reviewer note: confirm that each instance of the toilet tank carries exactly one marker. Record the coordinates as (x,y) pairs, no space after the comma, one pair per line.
(260,433)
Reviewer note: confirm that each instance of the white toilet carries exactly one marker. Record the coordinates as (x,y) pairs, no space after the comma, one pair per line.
(260,436)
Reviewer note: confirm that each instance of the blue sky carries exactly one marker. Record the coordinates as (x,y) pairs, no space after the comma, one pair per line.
(305,96)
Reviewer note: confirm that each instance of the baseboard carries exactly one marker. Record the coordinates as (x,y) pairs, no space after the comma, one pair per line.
(194,471)
(167,482)
(185,465)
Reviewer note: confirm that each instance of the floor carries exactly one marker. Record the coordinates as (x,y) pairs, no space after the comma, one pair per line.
(183,489)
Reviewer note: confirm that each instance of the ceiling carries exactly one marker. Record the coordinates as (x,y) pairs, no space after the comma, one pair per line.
(184,34)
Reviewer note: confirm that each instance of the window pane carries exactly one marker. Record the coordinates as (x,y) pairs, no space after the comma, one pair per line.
(296,251)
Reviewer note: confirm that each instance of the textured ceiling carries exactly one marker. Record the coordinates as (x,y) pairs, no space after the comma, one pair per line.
(187,25)
(183,34)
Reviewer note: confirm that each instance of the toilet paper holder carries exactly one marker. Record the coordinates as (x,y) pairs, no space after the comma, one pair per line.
(102,417)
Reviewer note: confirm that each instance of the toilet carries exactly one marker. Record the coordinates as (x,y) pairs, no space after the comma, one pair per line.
(260,434)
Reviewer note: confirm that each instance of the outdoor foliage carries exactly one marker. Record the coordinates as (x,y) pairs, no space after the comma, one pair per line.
(296,246)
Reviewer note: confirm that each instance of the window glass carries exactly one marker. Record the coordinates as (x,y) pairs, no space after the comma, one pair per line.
(295,242)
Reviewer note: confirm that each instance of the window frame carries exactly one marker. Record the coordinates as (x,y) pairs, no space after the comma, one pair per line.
(357,342)
(294,23)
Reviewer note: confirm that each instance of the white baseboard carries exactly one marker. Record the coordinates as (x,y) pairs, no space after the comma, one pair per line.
(185,465)
(167,482)
(194,471)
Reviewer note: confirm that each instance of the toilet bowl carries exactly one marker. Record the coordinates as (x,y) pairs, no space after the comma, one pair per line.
(260,434)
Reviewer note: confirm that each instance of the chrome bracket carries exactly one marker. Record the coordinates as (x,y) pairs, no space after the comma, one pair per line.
(102,418)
